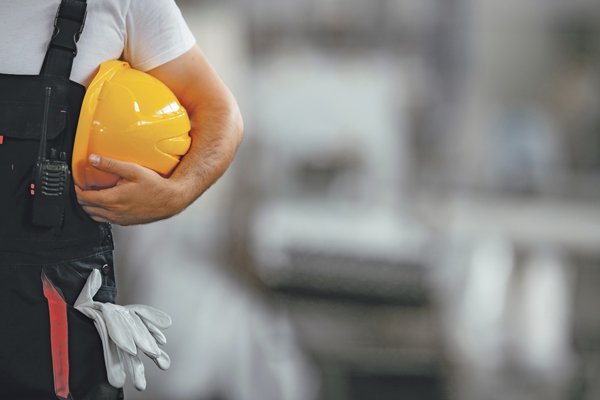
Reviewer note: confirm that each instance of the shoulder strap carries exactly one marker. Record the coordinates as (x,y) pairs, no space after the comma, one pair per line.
(68,25)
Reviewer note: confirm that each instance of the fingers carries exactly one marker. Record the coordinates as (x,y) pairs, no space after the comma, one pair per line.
(156,333)
(127,330)
(143,338)
(99,214)
(114,367)
(150,314)
(127,170)
(163,362)
(97,198)
(127,203)
(136,371)
(116,325)
(100,205)
(140,196)
(123,333)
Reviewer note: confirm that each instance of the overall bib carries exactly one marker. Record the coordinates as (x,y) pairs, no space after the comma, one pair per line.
(48,350)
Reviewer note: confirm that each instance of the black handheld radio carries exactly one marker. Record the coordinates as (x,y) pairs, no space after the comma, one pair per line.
(51,179)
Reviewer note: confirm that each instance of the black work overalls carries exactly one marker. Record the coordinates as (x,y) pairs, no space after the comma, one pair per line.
(48,350)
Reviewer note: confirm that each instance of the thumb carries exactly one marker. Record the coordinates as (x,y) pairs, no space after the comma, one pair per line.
(124,169)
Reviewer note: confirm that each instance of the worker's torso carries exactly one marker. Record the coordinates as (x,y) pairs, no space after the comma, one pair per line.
(22,108)
(48,350)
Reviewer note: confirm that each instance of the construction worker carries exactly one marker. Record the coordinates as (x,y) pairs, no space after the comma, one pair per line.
(55,238)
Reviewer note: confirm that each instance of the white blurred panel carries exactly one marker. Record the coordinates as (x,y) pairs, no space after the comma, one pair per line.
(310,102)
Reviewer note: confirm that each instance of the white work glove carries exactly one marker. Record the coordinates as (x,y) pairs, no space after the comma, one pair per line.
(124,330)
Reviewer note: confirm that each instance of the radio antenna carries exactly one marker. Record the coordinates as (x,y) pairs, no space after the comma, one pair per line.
(42,154)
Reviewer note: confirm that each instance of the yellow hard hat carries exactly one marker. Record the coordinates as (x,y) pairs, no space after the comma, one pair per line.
(131,116)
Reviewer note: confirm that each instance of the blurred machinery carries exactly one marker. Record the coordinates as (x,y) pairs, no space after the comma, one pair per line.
(331,217)
(348,251)
(331,237)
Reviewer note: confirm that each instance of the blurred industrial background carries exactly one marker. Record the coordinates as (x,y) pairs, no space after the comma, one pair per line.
(414,212)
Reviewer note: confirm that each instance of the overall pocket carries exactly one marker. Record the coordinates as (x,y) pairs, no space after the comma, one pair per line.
(69,277)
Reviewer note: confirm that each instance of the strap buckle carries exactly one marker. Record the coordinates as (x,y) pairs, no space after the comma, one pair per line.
(78,34)
(68,24)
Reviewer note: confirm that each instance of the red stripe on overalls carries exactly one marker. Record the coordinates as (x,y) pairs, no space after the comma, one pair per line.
(59,337)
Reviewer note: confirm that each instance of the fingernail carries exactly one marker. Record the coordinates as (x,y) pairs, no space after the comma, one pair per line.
(94,159)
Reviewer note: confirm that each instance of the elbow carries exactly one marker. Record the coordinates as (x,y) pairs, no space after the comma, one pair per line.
(238,126)
(218,119)
(237,122)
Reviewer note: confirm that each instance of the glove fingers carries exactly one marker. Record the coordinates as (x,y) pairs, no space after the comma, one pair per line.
(136,371)
(114,368)
(156,317)
(91,287)
(156,333)
(118,327)
(127,330)
(163,361)
(123,330)
(142,337)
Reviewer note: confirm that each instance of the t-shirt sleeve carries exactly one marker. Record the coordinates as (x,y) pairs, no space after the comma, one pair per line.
(155,34)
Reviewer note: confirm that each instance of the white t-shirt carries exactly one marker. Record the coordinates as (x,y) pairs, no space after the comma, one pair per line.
(147,33)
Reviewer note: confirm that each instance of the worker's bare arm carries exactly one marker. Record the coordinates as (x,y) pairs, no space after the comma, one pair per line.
(217,127)
(143,196)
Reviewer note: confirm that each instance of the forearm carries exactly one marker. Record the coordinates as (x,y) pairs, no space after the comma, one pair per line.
(217,130)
